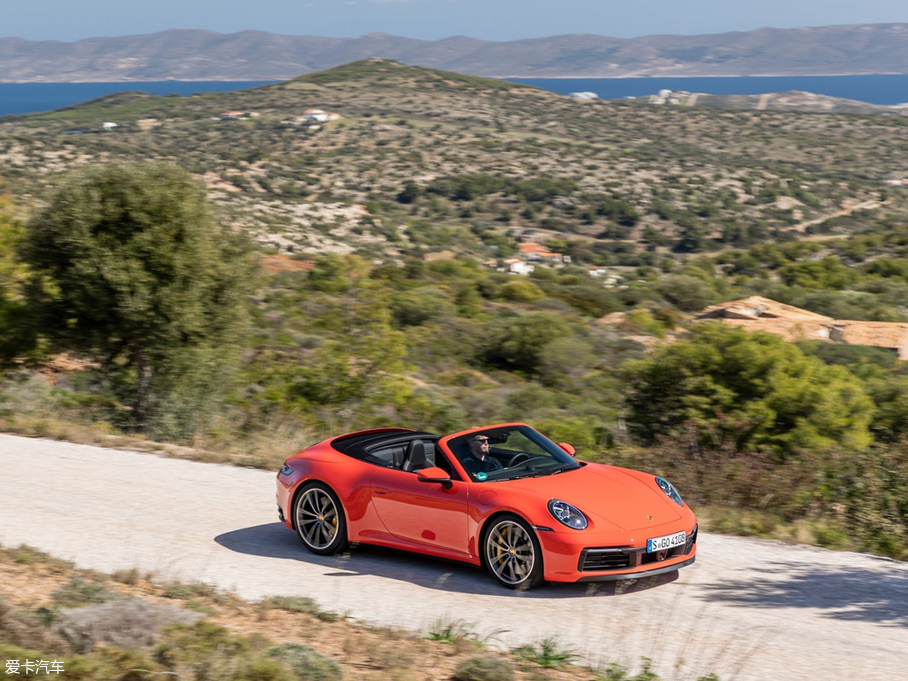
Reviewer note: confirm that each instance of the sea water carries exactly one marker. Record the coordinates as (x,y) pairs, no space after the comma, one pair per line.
(876,89)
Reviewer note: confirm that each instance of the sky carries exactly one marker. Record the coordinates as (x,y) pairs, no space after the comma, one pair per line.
(70,20)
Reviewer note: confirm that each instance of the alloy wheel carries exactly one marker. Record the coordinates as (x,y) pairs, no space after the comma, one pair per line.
(510,552)
(317,518)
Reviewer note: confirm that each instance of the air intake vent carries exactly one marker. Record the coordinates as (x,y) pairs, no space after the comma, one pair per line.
(691,540)
(604,559)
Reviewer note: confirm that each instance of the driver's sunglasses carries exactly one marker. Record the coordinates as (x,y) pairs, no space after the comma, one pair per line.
(482,440)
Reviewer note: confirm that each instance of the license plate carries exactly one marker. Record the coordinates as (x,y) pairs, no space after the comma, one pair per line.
(669,541)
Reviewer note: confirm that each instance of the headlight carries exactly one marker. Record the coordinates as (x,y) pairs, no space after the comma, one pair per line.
(286,470)
(568,515)
(670,490)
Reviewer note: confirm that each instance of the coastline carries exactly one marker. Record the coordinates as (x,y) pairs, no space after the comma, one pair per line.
(887,91)
(655,76)
(625,76)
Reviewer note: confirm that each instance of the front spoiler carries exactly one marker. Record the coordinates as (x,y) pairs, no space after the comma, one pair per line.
(638,575)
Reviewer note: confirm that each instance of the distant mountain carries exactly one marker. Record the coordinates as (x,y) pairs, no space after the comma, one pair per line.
(188,54)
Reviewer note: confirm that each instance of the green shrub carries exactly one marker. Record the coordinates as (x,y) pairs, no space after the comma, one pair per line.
(451,632)
(203,650)
(29,555)
(615,672)
(548,653)
(420,305)
(520,291)
(102,665)
(184,592)
(26,629)
(307,663)
(831,537)
(686,292)
(517,343)
(263,669)
(78,592)
(593,301)
(299,604)
(483,668)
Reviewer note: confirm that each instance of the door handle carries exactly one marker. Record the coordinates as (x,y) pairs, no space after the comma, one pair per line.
(380,490)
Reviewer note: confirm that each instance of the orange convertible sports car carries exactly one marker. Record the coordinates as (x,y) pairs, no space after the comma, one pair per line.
(503,496)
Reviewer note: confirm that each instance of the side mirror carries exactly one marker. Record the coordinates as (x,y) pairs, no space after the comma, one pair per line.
(568,448)
(433,474)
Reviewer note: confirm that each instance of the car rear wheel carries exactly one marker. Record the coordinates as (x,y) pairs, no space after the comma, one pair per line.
(319,520)
(512,553)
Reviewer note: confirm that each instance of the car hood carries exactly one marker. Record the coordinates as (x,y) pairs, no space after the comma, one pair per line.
(608,495)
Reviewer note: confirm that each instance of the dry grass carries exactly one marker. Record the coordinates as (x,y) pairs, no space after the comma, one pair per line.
(266,450)
(360,652)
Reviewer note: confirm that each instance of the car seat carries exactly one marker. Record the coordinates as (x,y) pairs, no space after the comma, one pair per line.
(416,456)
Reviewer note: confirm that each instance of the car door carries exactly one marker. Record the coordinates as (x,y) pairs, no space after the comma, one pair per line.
(424,513)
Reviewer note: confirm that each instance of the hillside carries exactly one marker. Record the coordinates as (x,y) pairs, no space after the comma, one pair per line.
(388,223)
(622,182)
(254,55)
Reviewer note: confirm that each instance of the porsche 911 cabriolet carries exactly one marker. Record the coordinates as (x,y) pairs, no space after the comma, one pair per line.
(504,497)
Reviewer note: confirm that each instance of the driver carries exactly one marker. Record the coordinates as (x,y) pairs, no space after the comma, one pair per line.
(477,460)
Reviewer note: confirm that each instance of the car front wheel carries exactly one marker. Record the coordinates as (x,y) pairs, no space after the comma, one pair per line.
(512,553)
(319,520)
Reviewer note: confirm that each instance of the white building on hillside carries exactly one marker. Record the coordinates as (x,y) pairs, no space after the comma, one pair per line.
(518,266)
(315,116)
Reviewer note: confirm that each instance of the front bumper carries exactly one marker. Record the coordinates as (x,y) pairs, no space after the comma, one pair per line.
(649,572)
(579,557)
(283,500)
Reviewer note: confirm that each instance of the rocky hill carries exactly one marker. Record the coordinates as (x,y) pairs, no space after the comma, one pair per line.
(254,55)
(418,160)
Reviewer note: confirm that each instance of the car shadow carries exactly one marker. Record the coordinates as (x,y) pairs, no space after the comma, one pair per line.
(274,540)
(845,593)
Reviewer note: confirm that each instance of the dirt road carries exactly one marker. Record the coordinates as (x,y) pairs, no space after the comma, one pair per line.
(848,210)
(748,609)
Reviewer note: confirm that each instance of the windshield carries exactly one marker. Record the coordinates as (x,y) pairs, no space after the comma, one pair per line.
(509,453)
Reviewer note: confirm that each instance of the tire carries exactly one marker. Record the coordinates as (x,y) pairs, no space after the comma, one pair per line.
(319,519)
(511,553)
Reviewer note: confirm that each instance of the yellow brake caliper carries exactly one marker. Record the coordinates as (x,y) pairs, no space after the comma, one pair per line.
(504,538)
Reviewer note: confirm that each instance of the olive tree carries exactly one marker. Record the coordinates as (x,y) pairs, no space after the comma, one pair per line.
(129,267)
